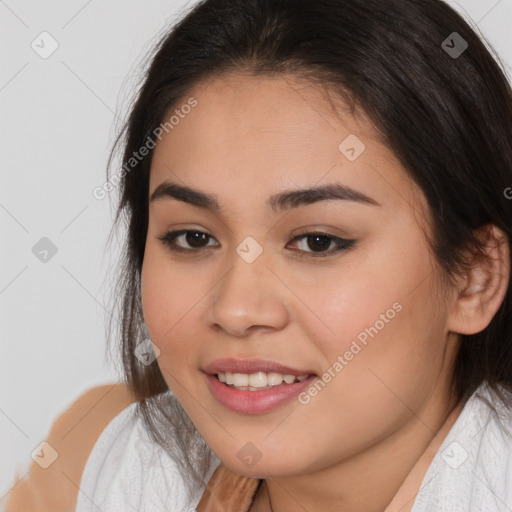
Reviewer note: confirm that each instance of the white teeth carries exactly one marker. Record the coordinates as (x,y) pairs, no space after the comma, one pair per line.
(240,379)
(257,381)
(274,379)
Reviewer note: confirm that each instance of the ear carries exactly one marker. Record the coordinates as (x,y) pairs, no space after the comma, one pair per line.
(481,292)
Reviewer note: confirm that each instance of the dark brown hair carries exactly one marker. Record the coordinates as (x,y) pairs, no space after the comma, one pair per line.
(446,117)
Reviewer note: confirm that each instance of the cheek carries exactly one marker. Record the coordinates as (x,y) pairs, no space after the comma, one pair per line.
(382,319)
(167,296)
(364,303)
(156,296)
(174,297)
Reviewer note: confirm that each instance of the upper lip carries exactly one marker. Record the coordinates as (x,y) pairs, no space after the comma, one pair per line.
(232,365)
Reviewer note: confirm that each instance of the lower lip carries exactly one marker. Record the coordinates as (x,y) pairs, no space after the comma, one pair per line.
(255,402)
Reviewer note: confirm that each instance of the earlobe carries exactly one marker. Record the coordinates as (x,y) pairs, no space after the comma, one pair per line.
(483,289)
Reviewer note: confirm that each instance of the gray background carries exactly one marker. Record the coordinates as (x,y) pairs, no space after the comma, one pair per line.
(58,119)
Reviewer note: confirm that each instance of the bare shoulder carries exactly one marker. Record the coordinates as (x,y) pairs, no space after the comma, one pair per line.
(72,435)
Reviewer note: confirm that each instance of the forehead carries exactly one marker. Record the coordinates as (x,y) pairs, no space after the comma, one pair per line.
(253,135)
(237,112)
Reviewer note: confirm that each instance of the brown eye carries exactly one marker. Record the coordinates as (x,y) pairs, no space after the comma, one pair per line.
(319,243)
(194,239)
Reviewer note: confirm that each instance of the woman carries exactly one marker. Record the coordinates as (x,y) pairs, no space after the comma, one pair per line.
(316,294)
(318,249)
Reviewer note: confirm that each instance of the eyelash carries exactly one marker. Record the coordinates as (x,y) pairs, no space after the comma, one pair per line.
(342,244)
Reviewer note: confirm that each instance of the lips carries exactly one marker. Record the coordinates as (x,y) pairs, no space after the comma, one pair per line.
(255,402)
(231,365)
(251,400)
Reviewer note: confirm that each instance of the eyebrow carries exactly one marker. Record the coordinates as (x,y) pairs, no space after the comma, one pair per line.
(279,202)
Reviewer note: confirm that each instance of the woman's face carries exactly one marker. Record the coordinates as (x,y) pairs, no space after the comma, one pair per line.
(364,318)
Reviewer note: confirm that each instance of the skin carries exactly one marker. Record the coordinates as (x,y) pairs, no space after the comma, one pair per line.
(353,445)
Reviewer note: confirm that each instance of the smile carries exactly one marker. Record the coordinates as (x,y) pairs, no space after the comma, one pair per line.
(257,381)
(250,399)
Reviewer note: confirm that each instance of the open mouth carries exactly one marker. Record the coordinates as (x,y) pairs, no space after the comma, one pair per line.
(258,381)
(258,392)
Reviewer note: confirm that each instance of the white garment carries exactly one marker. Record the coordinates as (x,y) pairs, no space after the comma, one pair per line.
(126,472)
(471,472)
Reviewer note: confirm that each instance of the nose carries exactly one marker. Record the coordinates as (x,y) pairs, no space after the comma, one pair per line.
(249,298)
